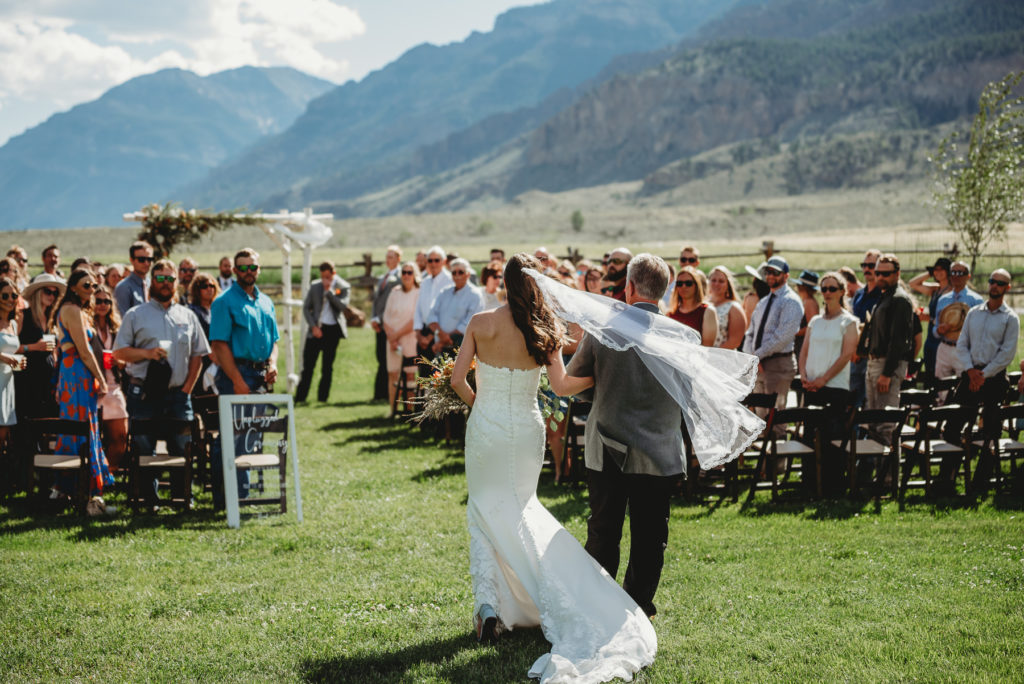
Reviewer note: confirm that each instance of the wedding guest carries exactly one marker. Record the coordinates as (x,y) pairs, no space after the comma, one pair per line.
(421,261)
(10,361)
(115,412)
(20,256)
(80,383)
(243,335)
(934,290)
(453,308)
(863,303)
(224,274)
(437,278)
(732,322)
(806,287)
(203,291)
(498,254)
(829,345)
(542,255)
(324,309)
(131,291)
(615,275)
(689,308)
(689,256)
(113,274)
(758,290)
(381,289)
(51,261)
(397,324)
(492,277)
(566,273)
(851,282)
(82,262)
(959,299)
(34,385)
(582,266)
(187,268)
(592,279)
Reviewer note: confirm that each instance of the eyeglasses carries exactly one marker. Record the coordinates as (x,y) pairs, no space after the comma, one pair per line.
(684,283)
(459,272)
(143,259)
(993,281)
(251,268)
(434,261)
(8,295)
(867,265)
(52,293)
(617,261)
(885,273)
(959,273)
(408,273)
(164,278)
(103,302)
(688,260)
(831,288)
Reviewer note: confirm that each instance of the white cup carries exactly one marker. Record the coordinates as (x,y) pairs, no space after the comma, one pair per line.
(165,345)
(21,362)
(52,339)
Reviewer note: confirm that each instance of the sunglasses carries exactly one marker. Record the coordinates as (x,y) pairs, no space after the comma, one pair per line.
(688,260)
(143,259)
(959,273)
(207,286)
(52,293)
(867,265)
(164,278)
(408,273)
(88,286)
(772,272)
(617,261)
(21,261)
(185,269)
(8,295)
(103,302)
(567,274)
(434,261)
(831,288)
(684,283)
(459,272)
(1001,283)
(251,268)
(885,273)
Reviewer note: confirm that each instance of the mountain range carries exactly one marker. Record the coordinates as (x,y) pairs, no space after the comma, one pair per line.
(562,95)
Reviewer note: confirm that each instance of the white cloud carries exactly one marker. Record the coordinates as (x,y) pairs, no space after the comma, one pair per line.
(68,51)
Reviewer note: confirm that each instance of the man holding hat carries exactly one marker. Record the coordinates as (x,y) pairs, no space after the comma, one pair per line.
(985,347)
(950,311)
(772,332)
(940,273)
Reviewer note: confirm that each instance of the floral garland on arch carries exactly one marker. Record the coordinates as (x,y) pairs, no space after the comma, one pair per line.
(168,226)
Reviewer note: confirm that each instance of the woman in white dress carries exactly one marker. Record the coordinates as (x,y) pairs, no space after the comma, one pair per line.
(526,569)
(9,359)
(732,321)
(397,321)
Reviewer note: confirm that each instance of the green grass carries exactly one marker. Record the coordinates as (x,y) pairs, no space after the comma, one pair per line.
(374,585)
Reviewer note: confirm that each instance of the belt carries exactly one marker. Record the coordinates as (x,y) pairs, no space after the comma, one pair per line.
(255,365)
(776,356)
(943,340)
(139,382)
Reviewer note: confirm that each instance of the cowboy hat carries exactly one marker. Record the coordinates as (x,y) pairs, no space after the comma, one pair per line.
(44,280)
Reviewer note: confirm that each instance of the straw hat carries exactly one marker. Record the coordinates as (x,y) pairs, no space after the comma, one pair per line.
(953,316)
(44,280)
(757,272)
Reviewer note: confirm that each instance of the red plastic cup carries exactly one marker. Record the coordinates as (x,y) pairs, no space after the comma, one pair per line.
(108,359)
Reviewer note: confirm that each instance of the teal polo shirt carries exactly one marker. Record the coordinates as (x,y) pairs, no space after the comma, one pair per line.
(247,323)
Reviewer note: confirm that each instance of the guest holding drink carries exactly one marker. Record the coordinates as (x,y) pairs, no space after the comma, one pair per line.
(115,410)
(10,361)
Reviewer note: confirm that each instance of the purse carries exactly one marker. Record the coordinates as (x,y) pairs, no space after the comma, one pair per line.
(158,379)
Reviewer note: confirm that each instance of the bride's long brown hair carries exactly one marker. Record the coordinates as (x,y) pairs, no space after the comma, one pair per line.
(530,312)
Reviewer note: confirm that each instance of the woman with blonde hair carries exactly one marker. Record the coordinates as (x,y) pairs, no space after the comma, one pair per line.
(732,321)
(824,361)
(113,405)
(687,305)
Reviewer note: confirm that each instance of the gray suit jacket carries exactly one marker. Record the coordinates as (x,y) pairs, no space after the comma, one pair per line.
(381,291)
(338,299)
(634,421)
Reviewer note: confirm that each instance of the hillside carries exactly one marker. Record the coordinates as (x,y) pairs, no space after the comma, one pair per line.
(363,135)
(140,140)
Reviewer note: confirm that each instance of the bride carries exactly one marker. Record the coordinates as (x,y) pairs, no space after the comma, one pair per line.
(527,570)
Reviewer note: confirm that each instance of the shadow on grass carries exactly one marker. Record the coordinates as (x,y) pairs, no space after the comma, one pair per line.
(508,661)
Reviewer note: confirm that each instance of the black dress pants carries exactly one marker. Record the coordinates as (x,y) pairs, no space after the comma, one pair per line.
(328,344)
(380,383)
(989,397)
(647,498)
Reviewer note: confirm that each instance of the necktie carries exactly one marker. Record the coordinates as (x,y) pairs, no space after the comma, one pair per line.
(764,319)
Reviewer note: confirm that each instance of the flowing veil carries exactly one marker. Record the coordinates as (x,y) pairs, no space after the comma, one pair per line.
(708,383)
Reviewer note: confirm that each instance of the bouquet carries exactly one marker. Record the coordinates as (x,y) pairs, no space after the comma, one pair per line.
(552,406)
(438,399)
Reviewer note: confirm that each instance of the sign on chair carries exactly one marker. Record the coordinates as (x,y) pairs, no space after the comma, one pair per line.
(255,437)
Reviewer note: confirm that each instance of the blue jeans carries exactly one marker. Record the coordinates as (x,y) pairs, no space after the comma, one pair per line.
(255,380)
(858,371)
(175,404)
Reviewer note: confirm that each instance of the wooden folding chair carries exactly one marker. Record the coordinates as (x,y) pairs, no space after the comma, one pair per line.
(866,452)
(575,427)
(159,433)
(45,432)
(406,390)
(801,443)
(927,449)
(999,448)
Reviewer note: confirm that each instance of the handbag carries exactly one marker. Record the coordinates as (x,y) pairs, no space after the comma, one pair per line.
(158,379)
(354,317)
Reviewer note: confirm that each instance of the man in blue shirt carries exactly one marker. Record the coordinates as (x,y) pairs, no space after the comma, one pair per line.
(961,298)
(243,334)
(132,291)
(864,302)
(453,308)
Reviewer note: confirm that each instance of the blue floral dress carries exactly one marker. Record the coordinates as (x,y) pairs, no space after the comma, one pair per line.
(78,399)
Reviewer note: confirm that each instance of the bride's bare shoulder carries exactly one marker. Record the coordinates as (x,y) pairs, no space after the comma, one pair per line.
(492,319)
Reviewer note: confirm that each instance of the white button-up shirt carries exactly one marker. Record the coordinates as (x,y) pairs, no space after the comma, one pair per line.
(988,339)
(430,287)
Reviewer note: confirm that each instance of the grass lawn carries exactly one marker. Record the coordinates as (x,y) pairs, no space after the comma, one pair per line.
(374,585)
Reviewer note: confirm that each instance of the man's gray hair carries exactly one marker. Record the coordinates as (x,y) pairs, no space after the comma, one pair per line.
(438,250)
(649,275)
(461,262)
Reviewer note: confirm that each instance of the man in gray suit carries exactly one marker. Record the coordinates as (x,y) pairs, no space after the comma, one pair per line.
(324,309)
(381,290)
(634,447)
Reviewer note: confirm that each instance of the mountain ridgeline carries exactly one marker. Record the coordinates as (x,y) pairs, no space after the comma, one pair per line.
(139,140)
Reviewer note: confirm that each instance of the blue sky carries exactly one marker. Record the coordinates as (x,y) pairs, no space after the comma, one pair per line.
(57,53)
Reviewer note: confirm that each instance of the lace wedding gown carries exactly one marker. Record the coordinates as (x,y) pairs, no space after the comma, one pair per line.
(523,562)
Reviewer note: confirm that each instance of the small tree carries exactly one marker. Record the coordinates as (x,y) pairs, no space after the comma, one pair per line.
(577,221)
(981,191)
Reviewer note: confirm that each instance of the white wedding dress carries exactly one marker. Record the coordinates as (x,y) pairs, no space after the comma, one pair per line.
(523,562)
